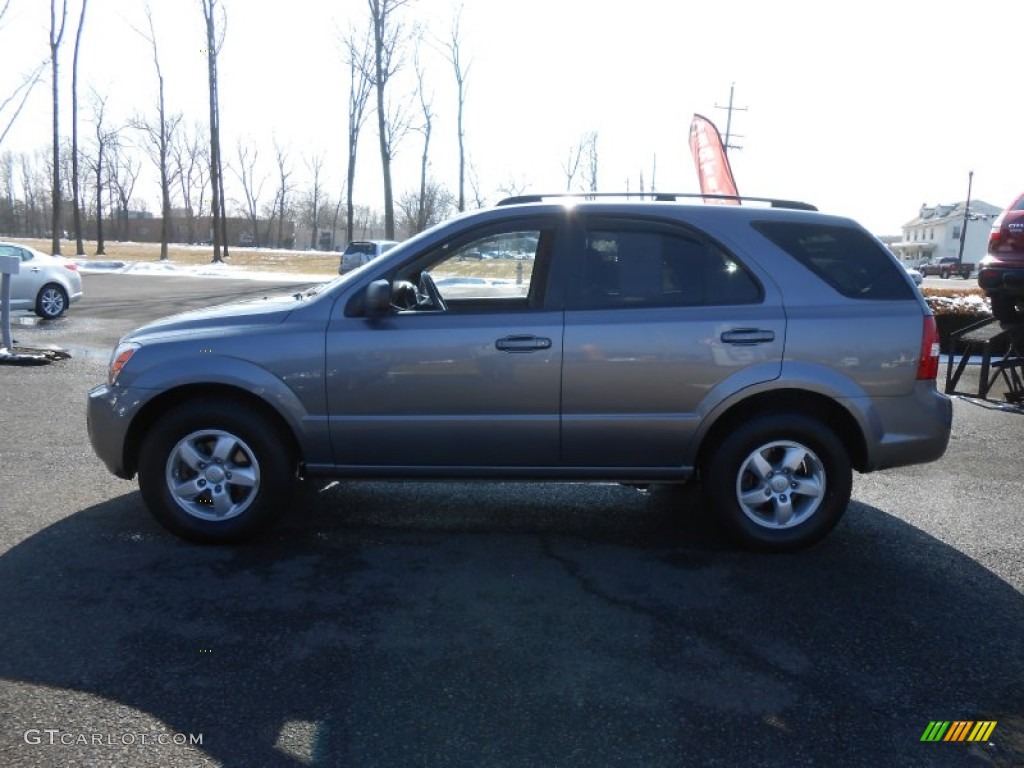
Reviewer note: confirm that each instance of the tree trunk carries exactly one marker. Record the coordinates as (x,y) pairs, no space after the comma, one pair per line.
(75,191)
(100,246)
(55,193)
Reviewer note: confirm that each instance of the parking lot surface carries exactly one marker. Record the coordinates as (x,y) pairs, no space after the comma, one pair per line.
(419,624)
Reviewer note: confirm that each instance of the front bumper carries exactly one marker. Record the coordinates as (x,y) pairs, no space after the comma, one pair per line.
(109,413)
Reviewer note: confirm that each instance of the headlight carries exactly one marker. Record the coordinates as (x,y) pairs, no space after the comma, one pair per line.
(122,354)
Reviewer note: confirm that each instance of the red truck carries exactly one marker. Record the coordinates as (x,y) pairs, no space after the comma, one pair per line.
(947,266)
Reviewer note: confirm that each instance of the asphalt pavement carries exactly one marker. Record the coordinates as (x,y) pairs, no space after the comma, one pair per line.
(493,624)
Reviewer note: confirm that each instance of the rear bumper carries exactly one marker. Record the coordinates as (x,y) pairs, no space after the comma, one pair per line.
(910,430)
(996,279)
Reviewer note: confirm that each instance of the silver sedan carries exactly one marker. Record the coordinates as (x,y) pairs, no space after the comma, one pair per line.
(44,284)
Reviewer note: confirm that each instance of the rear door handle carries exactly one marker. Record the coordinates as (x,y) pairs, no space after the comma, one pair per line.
(522,343)
(743,336)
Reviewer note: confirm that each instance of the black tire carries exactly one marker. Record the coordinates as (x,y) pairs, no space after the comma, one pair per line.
(944,274)
(1006,308)
(51,301)
(753,507)
(251,479)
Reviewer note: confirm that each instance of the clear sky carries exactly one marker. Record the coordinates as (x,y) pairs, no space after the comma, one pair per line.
(865,109)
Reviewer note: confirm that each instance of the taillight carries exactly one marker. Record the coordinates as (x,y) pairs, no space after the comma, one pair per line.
(72,266)
(928,366)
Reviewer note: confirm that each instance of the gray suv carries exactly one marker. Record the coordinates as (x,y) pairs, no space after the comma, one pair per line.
(359,252)
(765,350)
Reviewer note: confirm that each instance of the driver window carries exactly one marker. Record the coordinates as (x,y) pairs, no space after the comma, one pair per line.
(494,271)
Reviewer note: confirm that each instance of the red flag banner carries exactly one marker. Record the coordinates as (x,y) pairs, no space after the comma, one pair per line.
(713,168)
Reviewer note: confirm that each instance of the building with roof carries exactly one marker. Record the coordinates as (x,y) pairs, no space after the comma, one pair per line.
(935,232)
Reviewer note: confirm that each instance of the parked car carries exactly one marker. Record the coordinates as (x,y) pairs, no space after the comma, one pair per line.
(360,252)
(764,351)
(915,275)
(945,267)
(45,284)
(1001,271)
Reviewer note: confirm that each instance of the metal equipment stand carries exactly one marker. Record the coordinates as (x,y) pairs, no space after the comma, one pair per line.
(980,339)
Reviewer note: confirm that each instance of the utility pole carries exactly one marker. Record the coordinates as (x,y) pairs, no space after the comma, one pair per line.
(728,119)
(967,213)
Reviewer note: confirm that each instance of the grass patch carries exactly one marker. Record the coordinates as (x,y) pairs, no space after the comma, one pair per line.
(253,259)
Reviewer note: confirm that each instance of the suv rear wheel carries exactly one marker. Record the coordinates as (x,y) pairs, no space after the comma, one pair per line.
(215,472)
(780,482)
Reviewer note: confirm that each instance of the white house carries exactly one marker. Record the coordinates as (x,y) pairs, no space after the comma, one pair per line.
(935,232)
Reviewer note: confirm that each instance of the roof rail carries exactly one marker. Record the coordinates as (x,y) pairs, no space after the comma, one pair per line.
(664,197)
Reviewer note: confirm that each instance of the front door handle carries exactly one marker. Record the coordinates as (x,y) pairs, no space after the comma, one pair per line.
(522,343)
(744,336)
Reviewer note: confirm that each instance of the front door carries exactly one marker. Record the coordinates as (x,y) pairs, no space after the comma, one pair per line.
(465,371)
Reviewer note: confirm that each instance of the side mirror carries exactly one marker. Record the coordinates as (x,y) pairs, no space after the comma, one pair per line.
(378,298)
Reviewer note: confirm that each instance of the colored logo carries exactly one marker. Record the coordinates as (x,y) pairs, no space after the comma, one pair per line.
(958,730)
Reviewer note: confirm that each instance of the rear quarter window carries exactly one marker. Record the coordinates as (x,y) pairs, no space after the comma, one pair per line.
(850,260)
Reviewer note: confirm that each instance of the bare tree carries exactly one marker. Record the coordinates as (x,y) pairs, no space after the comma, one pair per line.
(214,41)
(513,187)
(571,166)
(474,185)
(159,138)
(191,168)
(124,173)
(389,35)
(56,37)
(359,56)
(453,51)
(419,221)
(32,194)
(75,187)
(97,165)
(8,201)
(313,204)
(11,106)
(251,187)
(430,205)
(337,215)
(589,146)
(284,189)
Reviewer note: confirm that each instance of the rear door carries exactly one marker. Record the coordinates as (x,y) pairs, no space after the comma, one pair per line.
(658,318)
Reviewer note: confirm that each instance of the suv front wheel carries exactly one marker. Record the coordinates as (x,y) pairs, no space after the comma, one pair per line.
(779,482)
(215,472)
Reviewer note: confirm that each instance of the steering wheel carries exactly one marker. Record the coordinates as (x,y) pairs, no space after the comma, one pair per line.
(404,295)
(429,290)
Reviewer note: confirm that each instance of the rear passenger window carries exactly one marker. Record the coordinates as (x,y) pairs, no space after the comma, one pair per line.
(848,259)
(634,267)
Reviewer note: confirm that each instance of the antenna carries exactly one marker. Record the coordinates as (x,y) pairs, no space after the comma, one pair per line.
(728,120)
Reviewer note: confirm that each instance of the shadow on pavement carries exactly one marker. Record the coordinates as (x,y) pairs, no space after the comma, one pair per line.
(428,624)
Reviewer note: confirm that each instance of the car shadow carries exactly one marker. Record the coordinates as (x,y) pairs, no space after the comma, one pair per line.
(503,624)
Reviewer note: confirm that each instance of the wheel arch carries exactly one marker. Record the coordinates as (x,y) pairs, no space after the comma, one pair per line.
(800,401)
(172,398)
